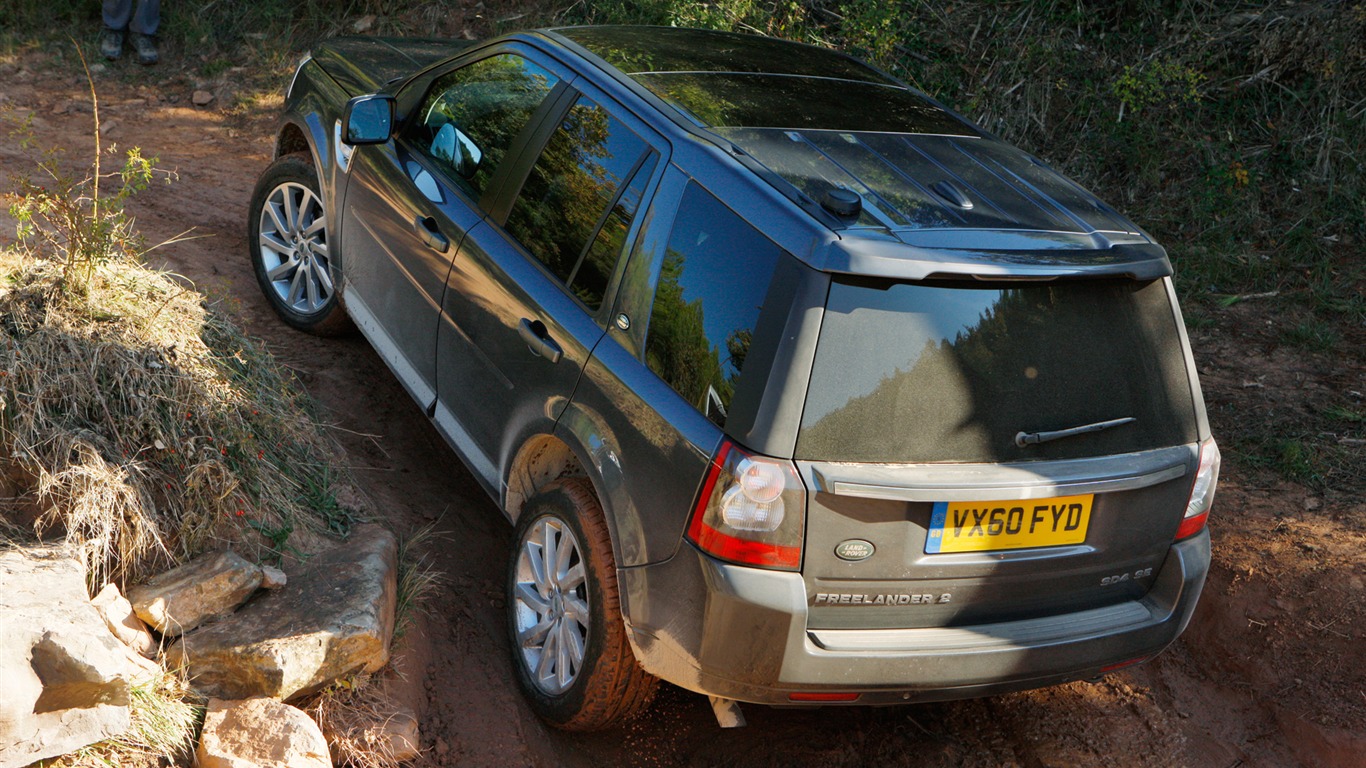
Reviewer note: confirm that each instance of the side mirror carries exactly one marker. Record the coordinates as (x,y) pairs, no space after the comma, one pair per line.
(368,119)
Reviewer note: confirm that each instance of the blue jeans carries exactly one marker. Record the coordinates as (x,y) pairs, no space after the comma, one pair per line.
(118,14)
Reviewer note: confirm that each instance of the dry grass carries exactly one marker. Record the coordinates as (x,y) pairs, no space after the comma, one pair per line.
(358,717)
(418,579)
(145,428)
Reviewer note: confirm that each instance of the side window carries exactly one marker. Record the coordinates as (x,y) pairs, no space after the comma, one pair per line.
(711,288)
(469,118)
(577,203)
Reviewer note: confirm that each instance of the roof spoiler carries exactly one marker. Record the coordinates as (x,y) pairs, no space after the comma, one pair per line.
(996,256)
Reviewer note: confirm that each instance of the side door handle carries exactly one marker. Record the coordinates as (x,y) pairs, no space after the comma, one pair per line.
(538,340)
(425,227)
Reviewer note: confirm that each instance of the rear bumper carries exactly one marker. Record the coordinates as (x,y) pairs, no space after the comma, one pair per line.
(740,633)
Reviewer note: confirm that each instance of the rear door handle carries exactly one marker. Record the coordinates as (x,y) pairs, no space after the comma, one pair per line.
(425,227)
(537,338)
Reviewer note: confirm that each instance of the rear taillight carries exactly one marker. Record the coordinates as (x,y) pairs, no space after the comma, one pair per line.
(751,510)
(1202,491)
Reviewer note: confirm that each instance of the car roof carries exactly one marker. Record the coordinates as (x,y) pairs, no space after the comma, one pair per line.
(927,179)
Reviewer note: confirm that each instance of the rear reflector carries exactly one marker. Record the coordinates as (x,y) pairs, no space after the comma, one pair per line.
(823,697)
(1123,664)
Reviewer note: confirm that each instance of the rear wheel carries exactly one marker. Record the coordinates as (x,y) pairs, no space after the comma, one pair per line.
(569,644)
(291,249)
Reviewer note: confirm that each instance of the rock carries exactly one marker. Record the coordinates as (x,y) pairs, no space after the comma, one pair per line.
(260,733)
(399,736)
(272,578)
(64,678)
(118,615)
(201,98)
(183,598)
(335,618)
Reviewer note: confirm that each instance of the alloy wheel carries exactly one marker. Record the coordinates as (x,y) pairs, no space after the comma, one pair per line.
(293,245)
(551,611)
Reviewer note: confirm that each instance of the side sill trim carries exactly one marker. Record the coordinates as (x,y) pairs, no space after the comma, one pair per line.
(388,351)
(464,446)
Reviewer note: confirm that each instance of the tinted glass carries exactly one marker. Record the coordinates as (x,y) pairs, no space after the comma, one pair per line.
(951,373)
(469,118)
(571,188)
(711,289)
(666,49)
(742,100)
(589,282)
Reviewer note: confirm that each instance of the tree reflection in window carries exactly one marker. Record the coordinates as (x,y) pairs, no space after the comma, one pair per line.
(490,102)
(572,194)
(711,289)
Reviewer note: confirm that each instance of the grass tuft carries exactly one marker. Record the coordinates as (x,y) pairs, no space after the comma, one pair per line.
(355,715)
(165,717)
(418,578)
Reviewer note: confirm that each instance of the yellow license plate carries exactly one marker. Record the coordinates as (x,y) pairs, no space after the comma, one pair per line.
(982,526)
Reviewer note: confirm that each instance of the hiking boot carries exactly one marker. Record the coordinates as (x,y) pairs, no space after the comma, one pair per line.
(111,43)
(146,46)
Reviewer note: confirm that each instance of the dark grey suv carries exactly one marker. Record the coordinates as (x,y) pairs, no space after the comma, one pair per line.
(799,388)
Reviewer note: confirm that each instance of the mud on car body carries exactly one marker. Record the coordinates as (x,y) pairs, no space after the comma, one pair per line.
(798,387)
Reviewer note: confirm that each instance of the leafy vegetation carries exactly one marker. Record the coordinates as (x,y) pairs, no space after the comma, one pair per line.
(1234,132)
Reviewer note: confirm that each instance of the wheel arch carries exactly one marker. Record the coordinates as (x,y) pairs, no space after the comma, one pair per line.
(541,459)
(292,138)
(546,457)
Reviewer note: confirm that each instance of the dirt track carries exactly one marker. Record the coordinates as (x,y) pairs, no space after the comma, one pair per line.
(1272,671)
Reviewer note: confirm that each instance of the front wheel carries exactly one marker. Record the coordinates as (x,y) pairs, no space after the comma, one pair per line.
(291,250)
(569,645)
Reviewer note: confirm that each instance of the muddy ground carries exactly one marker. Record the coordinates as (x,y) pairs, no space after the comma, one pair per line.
(1272,671)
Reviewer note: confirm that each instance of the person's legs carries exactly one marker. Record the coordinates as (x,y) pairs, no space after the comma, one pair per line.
(116,13)
(144,26)
(147,18)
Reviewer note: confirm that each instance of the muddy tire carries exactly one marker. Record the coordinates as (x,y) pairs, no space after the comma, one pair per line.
(569,646)
(289,238)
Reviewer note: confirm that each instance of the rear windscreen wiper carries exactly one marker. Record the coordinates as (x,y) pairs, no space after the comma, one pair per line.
(1034,438)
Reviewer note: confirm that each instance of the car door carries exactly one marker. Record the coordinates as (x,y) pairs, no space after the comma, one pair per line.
(528,296)
(411,202)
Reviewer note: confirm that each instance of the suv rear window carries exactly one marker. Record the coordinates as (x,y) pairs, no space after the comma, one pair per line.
(952,372)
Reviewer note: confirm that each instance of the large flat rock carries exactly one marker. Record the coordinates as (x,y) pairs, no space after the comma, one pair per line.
(64,678)
(334,618)
(208,586)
